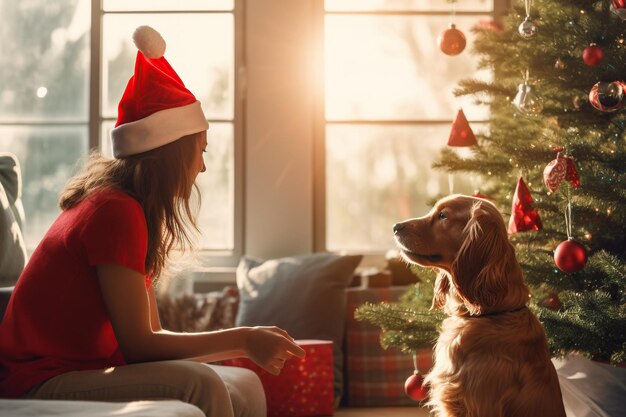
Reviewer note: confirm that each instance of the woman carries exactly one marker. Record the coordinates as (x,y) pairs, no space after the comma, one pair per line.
(82,322)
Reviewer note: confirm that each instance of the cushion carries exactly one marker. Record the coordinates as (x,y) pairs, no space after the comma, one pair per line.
(12,248)
(303,295)
(67,408)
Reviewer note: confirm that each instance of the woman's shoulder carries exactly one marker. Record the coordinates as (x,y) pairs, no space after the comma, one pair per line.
(111,195)
(110,199)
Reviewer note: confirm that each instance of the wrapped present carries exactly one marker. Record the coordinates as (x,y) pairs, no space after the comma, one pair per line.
(304,387)
(374,376)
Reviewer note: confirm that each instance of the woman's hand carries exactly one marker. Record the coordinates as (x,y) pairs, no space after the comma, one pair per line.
(270,347)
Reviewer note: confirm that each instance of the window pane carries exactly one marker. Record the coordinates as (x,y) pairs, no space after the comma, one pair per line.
(434,5)
(140,5)
(48,156)
(390,67)
(379,175)
(217,187)
(202,54)
(44,60)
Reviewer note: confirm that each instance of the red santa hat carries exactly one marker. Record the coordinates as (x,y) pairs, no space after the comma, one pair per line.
(156,108)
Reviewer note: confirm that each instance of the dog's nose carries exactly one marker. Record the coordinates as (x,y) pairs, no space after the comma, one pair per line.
(397,228)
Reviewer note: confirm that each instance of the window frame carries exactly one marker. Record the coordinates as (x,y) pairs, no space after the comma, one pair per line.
(371,258)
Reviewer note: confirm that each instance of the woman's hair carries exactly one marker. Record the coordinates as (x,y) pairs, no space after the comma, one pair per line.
(161,180)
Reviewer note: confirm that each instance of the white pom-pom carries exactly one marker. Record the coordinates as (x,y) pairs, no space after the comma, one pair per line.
(149,42)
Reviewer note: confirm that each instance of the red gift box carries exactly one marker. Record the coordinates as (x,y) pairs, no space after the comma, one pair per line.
(374,376)
(304,387)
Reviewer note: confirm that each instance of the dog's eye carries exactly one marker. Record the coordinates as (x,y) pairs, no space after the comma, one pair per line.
(442,215)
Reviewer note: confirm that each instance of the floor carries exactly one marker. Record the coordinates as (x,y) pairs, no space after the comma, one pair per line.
(382,412)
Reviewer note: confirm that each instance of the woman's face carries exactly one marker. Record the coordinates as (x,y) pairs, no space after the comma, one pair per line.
(198,165)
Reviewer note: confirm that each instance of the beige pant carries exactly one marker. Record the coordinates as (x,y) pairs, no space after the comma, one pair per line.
(219,391)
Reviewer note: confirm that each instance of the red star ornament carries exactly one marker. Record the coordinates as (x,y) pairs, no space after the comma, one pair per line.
(523,216)
(461,133)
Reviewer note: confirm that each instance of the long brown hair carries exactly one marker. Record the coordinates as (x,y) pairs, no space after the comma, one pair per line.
(161,180)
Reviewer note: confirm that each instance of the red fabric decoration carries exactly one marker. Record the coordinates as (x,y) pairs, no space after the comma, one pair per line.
(304,387)
(523,216)
(593,55)
(559,169)
(414,387)
(451,41)
(619,7)
(571,174)
(461,133)
(570,256)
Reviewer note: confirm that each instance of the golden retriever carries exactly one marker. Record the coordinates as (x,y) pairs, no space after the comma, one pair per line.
(491,358)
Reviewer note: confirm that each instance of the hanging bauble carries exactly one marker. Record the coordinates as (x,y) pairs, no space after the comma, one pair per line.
(552,302)
(559,64)
(578,102)
(619,8)
(452,41)
(607,96)
(559,169)
(526,101)
(523,216)
(527,29)
(414,387)
(461,133)
(570,256)
(554,173)
(593,55)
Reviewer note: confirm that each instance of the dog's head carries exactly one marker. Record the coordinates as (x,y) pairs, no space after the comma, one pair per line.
(466,238)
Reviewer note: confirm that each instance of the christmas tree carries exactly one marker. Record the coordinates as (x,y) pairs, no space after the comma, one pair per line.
(553,161)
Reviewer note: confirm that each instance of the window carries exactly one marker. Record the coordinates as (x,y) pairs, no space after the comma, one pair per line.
(388,111)
(61,85)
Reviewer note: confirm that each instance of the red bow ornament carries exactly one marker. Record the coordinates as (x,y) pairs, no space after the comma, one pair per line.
(559,169)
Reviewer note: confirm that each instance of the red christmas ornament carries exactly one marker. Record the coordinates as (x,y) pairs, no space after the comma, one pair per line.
(461,133)
(559,169)
(414,387)
(523,216)
(451,41)
(570,256)
(593,55)
(619,7)
(552,302)
(608,97)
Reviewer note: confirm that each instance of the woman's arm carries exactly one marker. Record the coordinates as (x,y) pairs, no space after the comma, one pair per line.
(155,321)
(129,307)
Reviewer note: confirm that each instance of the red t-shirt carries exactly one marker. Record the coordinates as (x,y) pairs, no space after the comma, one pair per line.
(56,320)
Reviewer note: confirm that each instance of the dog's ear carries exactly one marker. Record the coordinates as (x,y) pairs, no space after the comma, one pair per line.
(440,292)
(485,272)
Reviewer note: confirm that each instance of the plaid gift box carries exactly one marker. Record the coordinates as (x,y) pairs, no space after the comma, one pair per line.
(304,387)
(374,376)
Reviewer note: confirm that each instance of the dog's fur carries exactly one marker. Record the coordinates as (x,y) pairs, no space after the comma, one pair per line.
(491,357)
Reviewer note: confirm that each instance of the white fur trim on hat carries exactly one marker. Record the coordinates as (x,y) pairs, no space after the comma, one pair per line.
(149,42)
(158,129)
